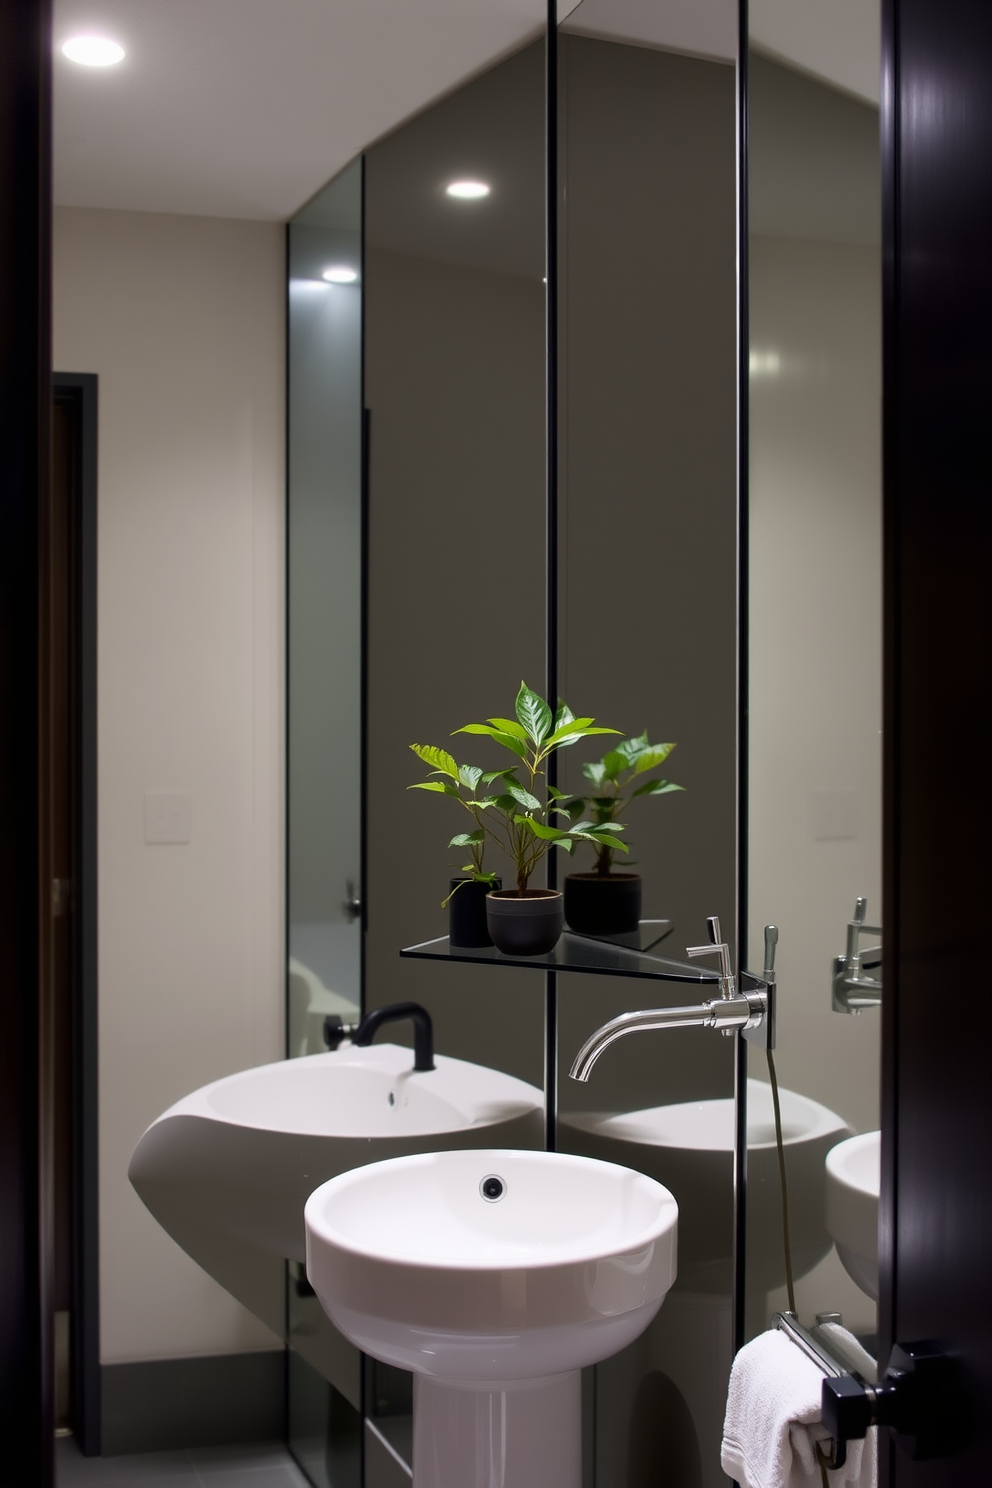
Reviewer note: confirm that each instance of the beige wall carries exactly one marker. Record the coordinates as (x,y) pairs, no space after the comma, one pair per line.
(182,320)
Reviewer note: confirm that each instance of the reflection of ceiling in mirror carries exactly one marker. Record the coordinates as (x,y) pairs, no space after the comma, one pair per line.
(836,40)
(246,108)
(698,28)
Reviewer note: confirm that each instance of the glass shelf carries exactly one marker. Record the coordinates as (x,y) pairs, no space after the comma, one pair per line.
(632,955)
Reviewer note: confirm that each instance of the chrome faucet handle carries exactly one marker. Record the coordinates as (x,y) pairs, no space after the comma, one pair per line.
(771,941)
(856,927)
(717,947)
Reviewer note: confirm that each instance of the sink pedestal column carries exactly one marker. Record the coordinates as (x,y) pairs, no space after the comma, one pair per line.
(523,1433)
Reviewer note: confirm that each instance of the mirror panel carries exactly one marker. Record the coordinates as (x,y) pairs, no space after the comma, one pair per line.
(814,617)
(648,641)
(455,387)
(324,555)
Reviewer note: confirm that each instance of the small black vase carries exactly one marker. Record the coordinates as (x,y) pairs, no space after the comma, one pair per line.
(467,912)
(602,904)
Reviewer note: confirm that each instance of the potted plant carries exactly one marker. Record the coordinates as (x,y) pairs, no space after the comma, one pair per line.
(603,902)
(512,808)
(466,899)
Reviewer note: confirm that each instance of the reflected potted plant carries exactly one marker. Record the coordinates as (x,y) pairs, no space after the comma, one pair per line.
(603,902)
(512,808)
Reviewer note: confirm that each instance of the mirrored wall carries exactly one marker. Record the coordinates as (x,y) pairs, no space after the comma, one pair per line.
(814,614)
(648,643)
(419,397)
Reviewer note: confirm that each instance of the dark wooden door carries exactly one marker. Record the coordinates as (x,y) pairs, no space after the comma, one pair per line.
(937,1060)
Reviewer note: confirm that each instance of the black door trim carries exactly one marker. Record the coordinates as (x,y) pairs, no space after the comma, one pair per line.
(77,392)
(26,1336)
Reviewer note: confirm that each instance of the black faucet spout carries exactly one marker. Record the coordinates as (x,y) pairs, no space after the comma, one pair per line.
(397,1012)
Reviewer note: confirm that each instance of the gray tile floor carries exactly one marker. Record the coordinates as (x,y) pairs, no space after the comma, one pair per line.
(261,1465)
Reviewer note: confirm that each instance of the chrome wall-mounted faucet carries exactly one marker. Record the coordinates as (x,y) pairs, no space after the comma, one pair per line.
(751,1010)
(851,990)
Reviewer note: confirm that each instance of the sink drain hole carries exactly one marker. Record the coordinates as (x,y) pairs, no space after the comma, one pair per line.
(492,1187)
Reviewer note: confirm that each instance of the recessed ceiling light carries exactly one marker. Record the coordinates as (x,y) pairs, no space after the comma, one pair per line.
(468,190)
(92,51)
(338,274)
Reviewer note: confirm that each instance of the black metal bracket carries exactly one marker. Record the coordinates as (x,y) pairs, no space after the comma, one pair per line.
(917,1399)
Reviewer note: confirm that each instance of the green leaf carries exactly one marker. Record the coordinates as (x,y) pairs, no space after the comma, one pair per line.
(555,794)
(469,775)
(533,713)
(613,763)
(492,775)
(595,771)
(546,834)
(523,797)
(505,803)
(605,841)
(566,843)
(434,785)
(656,754)
(439,759)
(608,827)
(563,714)
(507,726)
(509,742)
(467,839)
(631,748)
(657,788)
(570,726)
(483,803)
(559,811)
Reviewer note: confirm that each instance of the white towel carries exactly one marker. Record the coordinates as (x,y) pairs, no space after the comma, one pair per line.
(773,1421)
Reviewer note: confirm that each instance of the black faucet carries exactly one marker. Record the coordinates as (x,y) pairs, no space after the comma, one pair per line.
(395,1012)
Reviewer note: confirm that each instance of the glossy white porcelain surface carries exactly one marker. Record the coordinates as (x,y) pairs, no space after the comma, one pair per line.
(240,1156)
(415,1266)
(853,1184)
(688,1146)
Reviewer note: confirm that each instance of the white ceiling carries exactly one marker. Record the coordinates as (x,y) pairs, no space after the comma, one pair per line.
(245,108)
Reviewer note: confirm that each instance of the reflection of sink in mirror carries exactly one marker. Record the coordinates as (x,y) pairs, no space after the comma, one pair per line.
(853,1182)
(227,1170)
(689,1148)
(309,1004)
(495,1276)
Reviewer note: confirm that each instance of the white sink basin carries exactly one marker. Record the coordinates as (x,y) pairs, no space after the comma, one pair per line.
(227,1170)
(689,1147)
(853,1181)
(495,1304)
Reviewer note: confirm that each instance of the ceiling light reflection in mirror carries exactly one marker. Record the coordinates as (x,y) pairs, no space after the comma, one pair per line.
(467,190)
(93,51)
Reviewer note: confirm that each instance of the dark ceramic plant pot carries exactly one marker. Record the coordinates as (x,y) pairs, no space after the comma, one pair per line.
(602,904)
(467,912)
(527,924)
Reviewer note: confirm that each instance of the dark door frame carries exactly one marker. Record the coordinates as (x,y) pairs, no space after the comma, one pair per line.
(26,1334)
(936,1215)
(77,393)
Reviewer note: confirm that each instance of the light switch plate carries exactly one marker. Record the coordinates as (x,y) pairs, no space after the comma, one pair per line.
(167,816)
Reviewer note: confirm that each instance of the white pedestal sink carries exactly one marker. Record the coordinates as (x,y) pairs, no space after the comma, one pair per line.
(495,1276)
(853,1182)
